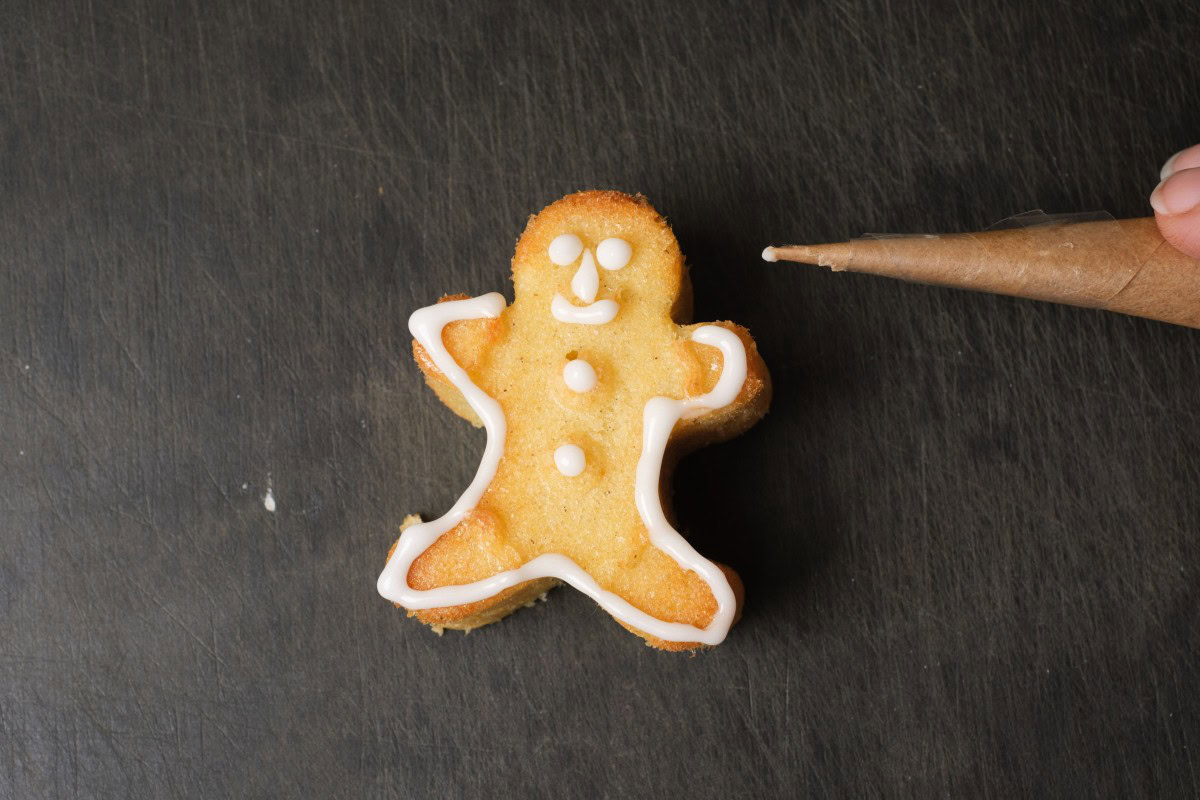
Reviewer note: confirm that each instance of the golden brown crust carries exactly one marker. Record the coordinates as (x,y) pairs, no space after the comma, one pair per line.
(517,358)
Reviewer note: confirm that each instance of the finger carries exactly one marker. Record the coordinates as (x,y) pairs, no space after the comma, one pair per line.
(1188,158)
(1176,203)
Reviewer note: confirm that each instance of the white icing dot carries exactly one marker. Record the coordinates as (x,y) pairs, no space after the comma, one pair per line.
(769,254)
(569,459)
(613,253)
(269,501)
(565,249)
(579,376)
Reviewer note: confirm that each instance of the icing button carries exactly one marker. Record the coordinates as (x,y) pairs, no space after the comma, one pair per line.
(569,459)
(579,376)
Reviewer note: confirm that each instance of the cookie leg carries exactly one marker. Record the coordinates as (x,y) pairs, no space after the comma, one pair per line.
(657,585)
(471,550)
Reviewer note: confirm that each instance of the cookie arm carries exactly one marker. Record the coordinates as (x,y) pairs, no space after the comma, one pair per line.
(706,367)
(467,341)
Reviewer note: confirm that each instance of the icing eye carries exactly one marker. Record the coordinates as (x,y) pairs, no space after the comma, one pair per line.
(613,253)
(565,249)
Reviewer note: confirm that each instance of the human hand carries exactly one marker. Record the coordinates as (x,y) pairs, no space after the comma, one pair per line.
(1176,201)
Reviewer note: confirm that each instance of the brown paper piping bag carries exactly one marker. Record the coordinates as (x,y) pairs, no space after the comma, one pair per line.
(1089,260)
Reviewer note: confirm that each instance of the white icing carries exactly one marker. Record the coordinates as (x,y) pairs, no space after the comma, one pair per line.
(769,254)
(269,501)
(613,253)
(586,281)
(565,249)
(659,417)
(569,459)
(596,313)
(579,376)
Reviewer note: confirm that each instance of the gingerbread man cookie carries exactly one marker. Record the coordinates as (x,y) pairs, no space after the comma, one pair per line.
(590,387)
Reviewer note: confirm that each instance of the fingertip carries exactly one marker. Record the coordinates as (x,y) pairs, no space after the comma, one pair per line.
(1178,194)
(1187,158)
(1168,166)
(1156,199)
(1182,231)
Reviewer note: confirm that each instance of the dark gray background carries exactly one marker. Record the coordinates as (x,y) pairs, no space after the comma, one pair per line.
(968,528)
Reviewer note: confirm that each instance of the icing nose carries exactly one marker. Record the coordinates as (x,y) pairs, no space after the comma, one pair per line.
(586,281)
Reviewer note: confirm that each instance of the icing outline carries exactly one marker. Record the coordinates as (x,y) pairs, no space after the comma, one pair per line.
(658,420)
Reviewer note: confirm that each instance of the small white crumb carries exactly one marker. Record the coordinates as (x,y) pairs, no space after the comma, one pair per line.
(269,501)
(541,598)
(22,452)
(27,368)
(245,486)
(768,254)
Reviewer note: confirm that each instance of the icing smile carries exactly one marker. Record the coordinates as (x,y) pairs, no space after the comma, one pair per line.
(596,313)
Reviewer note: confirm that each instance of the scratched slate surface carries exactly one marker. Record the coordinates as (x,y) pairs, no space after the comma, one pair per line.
(968,527)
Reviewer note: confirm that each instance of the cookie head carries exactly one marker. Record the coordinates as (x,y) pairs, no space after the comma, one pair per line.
(604,254)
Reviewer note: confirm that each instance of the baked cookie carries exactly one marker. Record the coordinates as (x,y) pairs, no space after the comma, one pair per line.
(590,387)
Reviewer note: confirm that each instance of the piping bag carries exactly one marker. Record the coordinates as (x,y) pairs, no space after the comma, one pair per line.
(1089,260)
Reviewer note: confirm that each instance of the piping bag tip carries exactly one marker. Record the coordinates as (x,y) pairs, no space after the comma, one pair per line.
(798,253)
